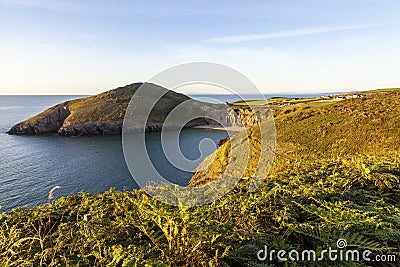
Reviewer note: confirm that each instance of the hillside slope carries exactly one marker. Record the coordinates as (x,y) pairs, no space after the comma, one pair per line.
(336,176)
(309,132)
(101,114)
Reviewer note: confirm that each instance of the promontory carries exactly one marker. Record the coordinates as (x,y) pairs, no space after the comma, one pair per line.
(103,114)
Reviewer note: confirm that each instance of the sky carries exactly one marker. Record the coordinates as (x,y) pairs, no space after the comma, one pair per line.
(286,46)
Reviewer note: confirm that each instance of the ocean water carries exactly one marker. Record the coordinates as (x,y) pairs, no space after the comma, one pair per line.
(31,165)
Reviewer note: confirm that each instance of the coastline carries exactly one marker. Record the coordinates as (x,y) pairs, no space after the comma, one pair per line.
(233,129)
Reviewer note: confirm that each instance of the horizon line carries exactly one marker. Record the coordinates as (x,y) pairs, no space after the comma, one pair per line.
(263,93)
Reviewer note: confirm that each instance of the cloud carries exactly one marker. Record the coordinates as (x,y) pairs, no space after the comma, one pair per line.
(280,34)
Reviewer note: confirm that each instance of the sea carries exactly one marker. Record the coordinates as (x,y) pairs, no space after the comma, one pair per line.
(30,166)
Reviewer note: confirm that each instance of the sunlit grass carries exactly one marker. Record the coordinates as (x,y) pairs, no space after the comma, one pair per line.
(336,175)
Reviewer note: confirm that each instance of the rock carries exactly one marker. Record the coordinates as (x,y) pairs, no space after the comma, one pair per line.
(48,121)
(223,141)
(103,114)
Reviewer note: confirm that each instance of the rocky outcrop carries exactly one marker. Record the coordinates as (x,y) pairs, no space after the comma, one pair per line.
(48,121)
(103,114)
(247,116)
(91,129)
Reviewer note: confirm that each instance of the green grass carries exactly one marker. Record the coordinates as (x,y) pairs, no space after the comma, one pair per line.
(293,209)
(111,106)
(336,175)
(279,101)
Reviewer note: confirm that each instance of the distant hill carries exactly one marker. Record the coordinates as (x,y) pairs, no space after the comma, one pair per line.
(101,114)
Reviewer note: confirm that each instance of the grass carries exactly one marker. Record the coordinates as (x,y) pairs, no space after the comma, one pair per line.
(111,106)
(104,113)
(336,175)
(276,101)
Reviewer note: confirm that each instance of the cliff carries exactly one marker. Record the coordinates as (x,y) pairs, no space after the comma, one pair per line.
(336,176)
(315,130)
(247,116)
(103,114)
(48,121)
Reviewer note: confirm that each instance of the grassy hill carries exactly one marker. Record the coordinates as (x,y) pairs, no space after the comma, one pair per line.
(315,130)
(336,175)
(101,114)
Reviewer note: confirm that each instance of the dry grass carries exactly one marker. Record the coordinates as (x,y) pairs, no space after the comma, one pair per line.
(336,175)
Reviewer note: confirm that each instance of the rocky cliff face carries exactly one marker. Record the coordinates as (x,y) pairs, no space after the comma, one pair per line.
(247,116)
(48,121)
(55,120)
(91,128)
(242,116)
(103,114)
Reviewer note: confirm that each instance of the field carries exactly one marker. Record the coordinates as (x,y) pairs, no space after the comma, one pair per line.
(336,175)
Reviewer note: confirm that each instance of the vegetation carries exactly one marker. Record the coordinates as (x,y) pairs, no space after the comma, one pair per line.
(101,114)
(111,105)
(336,175)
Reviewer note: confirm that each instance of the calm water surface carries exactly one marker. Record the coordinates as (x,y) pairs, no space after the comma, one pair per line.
(31,165)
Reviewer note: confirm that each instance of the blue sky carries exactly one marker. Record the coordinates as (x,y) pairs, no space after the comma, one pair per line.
(298,46)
